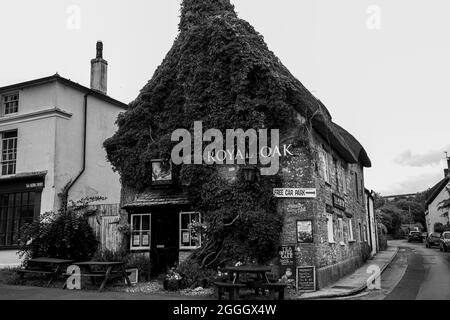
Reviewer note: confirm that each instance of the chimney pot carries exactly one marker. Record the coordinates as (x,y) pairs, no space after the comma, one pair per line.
(99,71)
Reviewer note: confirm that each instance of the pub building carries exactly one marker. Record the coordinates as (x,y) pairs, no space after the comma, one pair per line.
(322,201)
(321,196)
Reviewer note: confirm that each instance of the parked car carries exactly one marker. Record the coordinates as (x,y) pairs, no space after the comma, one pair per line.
(434,239)
(445,241)
(414,236)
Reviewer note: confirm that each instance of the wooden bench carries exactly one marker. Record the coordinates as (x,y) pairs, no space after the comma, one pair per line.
(47,266)
(231,288)
(277,287)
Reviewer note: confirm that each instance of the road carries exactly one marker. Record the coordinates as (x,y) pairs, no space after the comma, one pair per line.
(417,273)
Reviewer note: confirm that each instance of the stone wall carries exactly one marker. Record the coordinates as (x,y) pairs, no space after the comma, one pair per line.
(332,259)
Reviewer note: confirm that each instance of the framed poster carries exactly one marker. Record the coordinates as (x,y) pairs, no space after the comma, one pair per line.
(145,239)
(136,240)
(305,231)
(161,171)
(306,279)
(286,261)
(186,235)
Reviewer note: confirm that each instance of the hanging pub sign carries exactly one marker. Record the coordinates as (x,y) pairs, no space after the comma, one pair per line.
(338,202)
(329,208)
(294,192)
(306,279)
(286,258)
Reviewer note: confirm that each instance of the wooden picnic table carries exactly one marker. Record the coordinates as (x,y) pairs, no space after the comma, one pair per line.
(103,269)
(261,282)
(51,267)
(260,271)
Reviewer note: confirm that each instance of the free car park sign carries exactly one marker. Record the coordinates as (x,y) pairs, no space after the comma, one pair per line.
(294,192)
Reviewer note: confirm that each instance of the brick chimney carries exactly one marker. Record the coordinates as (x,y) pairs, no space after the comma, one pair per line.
(99,71)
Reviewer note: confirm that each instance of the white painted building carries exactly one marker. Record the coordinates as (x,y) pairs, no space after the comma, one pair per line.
(436,195)
(371,223)
(51,136)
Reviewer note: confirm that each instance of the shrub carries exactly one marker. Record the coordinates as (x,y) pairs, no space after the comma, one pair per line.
(194,276)
(65,234)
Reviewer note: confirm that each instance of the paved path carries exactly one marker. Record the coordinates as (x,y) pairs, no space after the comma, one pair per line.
(38,293)
(357,281)
(417,273)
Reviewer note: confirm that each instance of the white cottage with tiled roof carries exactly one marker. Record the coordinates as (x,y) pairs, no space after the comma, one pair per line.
(51,132)
(437,194)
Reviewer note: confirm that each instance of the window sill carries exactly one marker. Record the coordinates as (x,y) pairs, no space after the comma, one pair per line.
(188,248)
(342,243)
(351,241)
(331,242)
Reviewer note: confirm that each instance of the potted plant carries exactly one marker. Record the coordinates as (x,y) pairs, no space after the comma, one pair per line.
(172,280)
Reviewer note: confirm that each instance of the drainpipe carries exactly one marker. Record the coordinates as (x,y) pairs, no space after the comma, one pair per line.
(369,222)
(83,167)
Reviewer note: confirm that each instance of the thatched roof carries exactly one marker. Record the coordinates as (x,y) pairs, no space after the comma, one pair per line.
(221,72)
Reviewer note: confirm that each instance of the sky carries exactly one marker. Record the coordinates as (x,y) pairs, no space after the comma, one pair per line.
(382,67)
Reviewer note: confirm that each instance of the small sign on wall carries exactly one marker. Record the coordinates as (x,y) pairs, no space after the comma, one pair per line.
(294,192)
(286,258)
(306,279)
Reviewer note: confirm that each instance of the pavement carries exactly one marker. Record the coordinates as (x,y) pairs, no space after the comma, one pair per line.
(350,285)
(8,292)
(355,282)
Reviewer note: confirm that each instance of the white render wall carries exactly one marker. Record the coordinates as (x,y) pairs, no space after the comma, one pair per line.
(434,215)
(52,142)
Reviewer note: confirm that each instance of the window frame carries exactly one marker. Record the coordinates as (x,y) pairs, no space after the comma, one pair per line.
(324,160)
(351,237)
(181,230)
(141,231)
(8,163)
(3,103)
(330,228)
(8,214)
(344,179)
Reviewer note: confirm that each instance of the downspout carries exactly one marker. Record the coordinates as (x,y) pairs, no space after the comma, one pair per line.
(369,222)
(83,167)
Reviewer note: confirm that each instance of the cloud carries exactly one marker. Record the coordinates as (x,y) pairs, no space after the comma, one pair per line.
(429,158)
(414,184)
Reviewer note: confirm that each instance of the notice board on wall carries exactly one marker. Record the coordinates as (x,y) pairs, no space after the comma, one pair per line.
(306,279)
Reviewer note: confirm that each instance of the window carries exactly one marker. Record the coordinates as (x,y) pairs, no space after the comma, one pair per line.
(189,239)
(365,233)
(356,187)
(336,173)
(161,171)
(341,230)
(10,103)
(330,228)
(350,230)
(9,152)
(361,237)
(140,231)
(16,209)
(344,178)
(323,158)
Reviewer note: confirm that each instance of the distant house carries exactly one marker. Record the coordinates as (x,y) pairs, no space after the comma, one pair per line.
(436,195)
(51,133)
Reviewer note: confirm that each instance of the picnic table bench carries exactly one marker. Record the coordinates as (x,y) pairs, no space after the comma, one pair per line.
(105,270)
(50,267)
(259,281)
(231,288)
